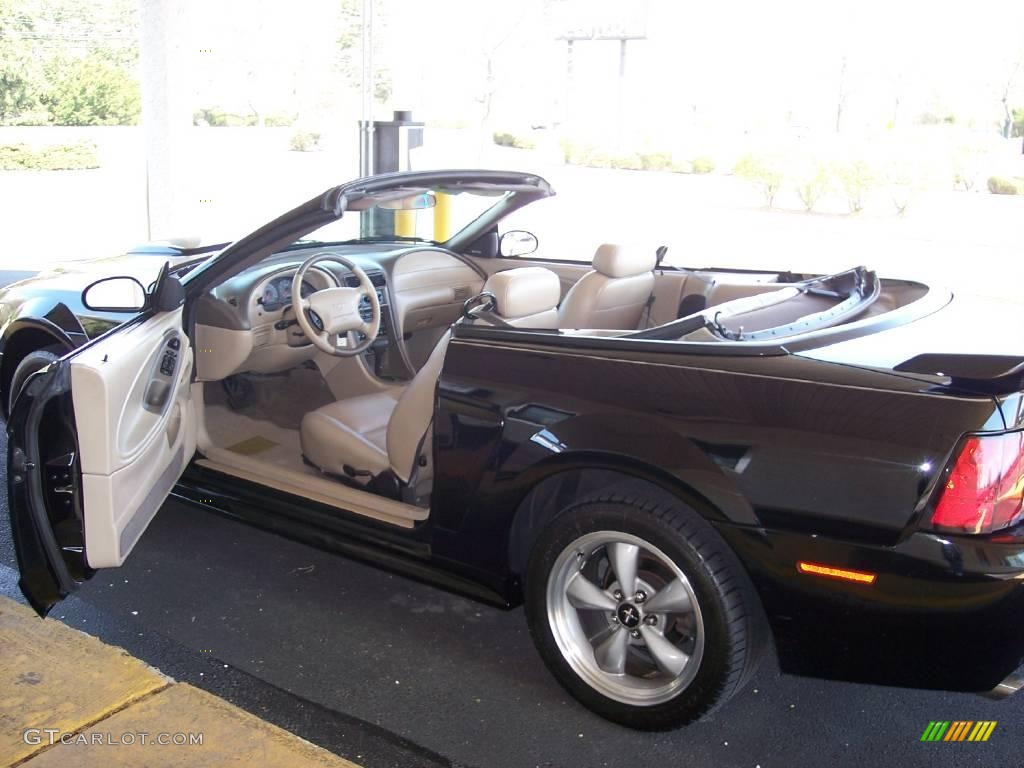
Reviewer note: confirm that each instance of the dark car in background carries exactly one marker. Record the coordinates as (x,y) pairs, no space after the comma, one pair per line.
(42,316)
(675,470)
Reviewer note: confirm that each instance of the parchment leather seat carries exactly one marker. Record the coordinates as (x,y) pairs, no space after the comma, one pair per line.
(614,293)
(385,430)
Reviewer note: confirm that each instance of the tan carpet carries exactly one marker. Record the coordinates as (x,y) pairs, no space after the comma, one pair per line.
(262,440)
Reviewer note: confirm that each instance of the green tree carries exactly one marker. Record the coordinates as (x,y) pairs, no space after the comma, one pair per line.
(1017,129)
(67,62)
(92,90)
(350,47)
(19,72)
(18,92)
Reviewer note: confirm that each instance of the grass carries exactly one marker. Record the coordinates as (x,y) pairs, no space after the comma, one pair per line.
(55,157)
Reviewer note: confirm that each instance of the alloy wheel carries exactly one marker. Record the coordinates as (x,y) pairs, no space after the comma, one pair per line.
(625,618)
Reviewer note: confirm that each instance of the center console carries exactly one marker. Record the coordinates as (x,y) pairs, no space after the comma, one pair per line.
(382,357)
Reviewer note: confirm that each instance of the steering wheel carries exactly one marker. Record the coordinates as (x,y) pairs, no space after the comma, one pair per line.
(328,313)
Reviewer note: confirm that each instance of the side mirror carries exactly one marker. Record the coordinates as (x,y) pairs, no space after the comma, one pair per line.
(115,294)
(517,242)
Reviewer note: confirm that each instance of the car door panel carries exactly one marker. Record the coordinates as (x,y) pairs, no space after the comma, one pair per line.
(96,442)
(130,406)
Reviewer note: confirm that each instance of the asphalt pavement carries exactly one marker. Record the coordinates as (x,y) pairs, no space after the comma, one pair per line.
(389,672)
(392,673)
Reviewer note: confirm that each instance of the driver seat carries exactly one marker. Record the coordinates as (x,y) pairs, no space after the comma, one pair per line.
(364,436)
(361,437)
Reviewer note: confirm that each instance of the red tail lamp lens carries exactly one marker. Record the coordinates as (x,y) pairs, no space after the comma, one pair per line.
(985,489)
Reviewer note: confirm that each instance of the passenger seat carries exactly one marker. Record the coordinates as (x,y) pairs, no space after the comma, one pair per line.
(526,297)
(614,293)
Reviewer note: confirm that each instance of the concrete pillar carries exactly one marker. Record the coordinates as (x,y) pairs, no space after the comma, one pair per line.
(165,60)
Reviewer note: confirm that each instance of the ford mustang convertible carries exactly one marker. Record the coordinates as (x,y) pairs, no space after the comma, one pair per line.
(675,470)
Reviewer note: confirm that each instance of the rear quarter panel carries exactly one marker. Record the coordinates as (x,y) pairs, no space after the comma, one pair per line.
(827,446)
(779,452)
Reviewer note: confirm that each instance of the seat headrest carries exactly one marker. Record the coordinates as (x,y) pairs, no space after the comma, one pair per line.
(616,260)
(524,291)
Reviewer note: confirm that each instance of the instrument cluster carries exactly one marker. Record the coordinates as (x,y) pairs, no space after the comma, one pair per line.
(278,293)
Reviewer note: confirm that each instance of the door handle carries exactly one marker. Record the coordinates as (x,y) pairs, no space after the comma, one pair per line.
(156,394)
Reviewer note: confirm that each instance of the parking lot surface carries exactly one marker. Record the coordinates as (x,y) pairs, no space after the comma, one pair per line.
(385,671)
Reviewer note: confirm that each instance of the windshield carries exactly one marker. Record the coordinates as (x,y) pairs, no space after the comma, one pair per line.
(430,215)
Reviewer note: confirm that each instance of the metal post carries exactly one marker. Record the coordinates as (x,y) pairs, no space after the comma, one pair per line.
(621,93)
(166,118)
(366,123)
(567,119)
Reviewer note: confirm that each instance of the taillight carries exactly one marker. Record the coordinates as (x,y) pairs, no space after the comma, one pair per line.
(985,488)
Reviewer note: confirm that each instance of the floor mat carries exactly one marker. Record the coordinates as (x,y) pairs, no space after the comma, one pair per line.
(253,445)
(281,399)
(263,440)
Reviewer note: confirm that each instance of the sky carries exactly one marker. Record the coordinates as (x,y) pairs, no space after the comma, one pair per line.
(714,66)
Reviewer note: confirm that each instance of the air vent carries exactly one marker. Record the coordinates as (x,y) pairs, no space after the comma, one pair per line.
(377,278)
(462,293)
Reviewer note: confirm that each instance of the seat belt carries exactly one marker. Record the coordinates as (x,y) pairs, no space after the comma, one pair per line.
(659,256)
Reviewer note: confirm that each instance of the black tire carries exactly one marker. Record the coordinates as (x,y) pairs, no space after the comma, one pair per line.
(29,364)
(735,629)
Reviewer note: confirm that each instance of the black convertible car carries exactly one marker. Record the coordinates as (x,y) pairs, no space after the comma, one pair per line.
(676,470)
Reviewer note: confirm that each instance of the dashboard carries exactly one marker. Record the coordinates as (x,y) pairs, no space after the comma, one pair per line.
(249,318)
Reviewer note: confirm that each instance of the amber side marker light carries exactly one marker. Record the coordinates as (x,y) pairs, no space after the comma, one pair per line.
(843,574)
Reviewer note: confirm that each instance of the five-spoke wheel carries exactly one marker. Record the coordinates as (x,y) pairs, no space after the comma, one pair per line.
(625,617)
(642,611)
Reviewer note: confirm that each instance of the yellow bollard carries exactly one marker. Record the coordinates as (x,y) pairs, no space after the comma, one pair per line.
(405,223)
(442,217)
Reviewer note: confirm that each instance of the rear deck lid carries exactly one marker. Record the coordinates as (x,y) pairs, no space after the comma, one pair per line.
(971,345)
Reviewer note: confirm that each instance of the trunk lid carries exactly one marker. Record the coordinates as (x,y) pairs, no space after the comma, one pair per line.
(971,345)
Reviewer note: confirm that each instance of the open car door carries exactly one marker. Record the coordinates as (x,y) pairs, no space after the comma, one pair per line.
(96,441)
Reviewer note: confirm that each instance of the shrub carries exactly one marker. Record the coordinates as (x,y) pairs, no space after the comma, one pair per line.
(218,118)
(627,162)
(279,121)
(902,195)
(963,179)
(813,183)
(1000,185)
(304,141)
(584,154)
(656,161)
(702,164)
(57,157)
(505,139)
(856,179)
(765,172)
